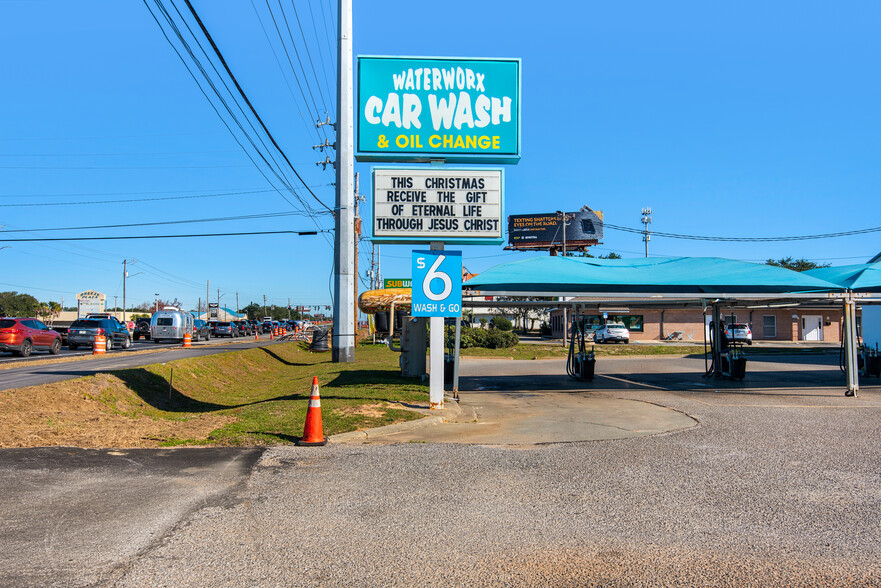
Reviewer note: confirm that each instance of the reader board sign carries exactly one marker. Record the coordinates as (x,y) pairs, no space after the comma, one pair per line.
(545,231)
(437,283)
(461,110)
(453,205)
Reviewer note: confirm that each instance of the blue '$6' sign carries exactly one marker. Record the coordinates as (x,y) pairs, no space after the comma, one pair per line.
(437,283)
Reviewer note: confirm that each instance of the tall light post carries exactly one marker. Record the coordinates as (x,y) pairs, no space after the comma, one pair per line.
(156,305)
(125,263)
(646,234)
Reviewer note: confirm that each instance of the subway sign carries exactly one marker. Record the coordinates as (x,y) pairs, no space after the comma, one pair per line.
(449,204)
(460,110)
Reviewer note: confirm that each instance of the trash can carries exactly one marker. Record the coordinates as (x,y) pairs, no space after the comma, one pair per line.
(738,368)
(449,363)
(320,341)
(588,366)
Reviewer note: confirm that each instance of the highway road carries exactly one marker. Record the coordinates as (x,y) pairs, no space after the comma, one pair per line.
(32,372)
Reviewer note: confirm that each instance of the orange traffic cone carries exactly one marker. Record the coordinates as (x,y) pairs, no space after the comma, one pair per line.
(256,336)
(313,433)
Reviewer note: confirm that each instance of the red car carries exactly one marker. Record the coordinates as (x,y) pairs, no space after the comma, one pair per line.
(23,335)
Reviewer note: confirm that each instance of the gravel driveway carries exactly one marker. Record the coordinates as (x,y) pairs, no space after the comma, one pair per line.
(776,486)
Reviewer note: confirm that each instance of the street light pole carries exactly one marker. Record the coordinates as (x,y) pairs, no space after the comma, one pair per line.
(156,306)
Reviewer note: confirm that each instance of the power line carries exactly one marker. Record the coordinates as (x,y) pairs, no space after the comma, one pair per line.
(69,195)
(316,114)
(310,126)
(248,102)
(128,237)
(128,200)
(748,239)
(167,16)
(157,223)
(223,101)
(308,53)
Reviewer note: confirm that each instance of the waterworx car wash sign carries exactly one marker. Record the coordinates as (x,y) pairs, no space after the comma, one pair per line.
(464,110)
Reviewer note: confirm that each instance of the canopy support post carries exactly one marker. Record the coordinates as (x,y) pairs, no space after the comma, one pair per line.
(850,347)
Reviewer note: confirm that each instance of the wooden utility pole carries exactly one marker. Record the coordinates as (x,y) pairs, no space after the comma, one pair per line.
(357,238)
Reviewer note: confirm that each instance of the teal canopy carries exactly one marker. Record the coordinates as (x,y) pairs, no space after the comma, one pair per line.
(672,275)
(863,277)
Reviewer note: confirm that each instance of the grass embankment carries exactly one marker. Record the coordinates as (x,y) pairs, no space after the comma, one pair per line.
(250,397)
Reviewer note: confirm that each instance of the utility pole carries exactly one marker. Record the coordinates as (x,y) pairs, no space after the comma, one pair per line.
(565,218)
(218,305)
(156,305)
(208,300)
(289,309)
(199,310)
(646,234)
(357,239)
(264,305)
(124,276)
(237,306)
(343,342)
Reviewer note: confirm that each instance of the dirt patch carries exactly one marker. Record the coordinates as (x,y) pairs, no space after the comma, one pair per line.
(368,410)
(98,411)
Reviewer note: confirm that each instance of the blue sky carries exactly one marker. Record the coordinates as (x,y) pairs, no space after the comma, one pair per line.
(735,119)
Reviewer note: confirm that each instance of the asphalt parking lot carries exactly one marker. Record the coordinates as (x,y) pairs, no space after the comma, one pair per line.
(778,483)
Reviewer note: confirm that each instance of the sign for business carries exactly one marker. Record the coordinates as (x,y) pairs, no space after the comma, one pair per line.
(545,231)
(453,205)
(213,308)
(397,283)
(437,283)
(461,110)
(88,302)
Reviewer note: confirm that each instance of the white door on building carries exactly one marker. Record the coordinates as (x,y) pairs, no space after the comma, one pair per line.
(812,328)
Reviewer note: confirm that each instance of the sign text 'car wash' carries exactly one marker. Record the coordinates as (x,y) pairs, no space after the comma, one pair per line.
(437,204)
(423,108)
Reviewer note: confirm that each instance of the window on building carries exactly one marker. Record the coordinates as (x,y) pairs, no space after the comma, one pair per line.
(633,322)
(769,327)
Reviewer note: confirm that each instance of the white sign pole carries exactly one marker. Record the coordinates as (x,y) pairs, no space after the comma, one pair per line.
(436,353)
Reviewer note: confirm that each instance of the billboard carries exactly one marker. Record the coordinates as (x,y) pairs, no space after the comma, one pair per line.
(460,110)
(545,231)
(453,205)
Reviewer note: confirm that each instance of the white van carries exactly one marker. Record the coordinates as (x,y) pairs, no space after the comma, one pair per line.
(170,324)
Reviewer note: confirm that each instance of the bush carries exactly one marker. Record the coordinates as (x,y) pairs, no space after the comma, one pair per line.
(501,323)
(476,337)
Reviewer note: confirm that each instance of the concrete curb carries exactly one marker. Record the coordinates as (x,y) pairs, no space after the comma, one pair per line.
(451,411)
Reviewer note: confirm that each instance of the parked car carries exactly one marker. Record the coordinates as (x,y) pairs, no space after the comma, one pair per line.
(225,329)
(82,333)
(142,329)
(201,330)
(171,324)
(23,335)
(612,332)
(739,332)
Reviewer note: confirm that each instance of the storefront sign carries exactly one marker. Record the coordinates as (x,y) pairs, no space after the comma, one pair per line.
(423,108)
(437,276)
(437,204)
(397,283)
(545,231)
